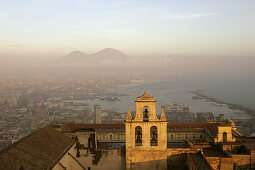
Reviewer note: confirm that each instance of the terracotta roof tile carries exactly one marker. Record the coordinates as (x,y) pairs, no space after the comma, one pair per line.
(187,125)
(213,129)
(38,150)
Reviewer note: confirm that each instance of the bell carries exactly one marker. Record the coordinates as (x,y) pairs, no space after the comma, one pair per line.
(146,113)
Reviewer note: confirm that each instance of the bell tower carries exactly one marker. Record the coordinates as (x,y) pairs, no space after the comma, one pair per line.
(146,135)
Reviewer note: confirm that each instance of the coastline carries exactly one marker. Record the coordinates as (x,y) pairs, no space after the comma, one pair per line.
(229,105)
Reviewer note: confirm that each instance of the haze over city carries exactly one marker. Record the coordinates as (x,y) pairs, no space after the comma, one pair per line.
(70,72)
(176,34)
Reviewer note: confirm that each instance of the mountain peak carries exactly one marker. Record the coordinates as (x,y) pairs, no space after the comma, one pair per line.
(111,53)
(109,50)
(107,54)
(74,56)
(76,53)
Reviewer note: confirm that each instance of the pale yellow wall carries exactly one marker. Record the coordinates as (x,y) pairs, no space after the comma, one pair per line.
(139,160)
(186,136)
(119,136)
(146,126)
(214,162)
(241,160)
(218,163)
(221,130)
(58,167)
(146,156)
(83,137)
(152,111)
(110,136)
(68,162)
(110,160)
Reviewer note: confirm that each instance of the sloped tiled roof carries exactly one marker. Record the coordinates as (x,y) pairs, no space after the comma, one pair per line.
(38,150)
(200,162)
(187,125)
(212,129)
(213,151)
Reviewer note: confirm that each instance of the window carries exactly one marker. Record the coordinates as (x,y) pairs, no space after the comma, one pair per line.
(201,136)
(154,136)
(110,137)
(138,136)
(186,136)
(225,137)
(171,136)
(145,114)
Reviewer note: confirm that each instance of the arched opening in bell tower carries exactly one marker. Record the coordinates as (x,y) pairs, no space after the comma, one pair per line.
(145,113)
(138,136)
(225,137)
(154,136)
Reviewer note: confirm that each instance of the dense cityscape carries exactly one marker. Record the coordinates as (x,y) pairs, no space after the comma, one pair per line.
(26,106)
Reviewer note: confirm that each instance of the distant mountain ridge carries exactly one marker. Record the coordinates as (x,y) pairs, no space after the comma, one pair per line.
(105,55)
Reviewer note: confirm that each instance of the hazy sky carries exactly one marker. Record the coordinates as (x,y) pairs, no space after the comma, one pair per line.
(197,27)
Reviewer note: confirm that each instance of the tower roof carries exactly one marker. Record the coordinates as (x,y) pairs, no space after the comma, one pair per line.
(145,98)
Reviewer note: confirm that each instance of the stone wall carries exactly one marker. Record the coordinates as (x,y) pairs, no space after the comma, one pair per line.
(153,160)
(152,111)
(110,136)
(119,136)
(241,161)
(252,153)
(146,156)
(83,137)
(68,161)
(221,131)
(176,157)
(220,163)
(146,127)
(176,136)
(106,159)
